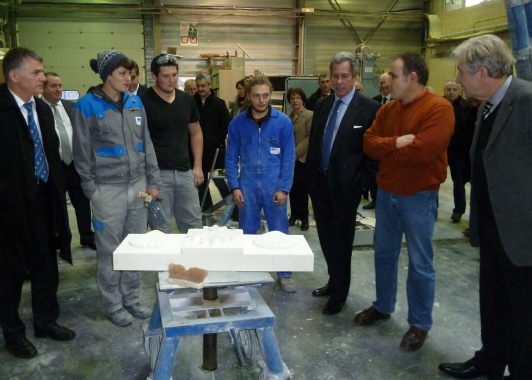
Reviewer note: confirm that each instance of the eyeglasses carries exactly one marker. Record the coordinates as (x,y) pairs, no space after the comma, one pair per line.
(166,59)
(295,98)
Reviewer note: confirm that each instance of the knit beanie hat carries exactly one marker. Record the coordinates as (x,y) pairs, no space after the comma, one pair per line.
(106,63)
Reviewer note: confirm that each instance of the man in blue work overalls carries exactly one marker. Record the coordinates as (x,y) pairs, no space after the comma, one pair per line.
(261,140)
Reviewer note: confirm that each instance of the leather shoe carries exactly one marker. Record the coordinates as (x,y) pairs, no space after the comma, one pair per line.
(56,332)
(369,316)
(292,220)
(369,206)
(21,348)
(322,292)
(413,339)
(464,370)
(333,307)
(304,226)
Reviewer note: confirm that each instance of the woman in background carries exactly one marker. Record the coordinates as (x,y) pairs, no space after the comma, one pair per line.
(302,120)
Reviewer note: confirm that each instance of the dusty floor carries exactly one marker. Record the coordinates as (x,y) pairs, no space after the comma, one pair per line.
(312,345)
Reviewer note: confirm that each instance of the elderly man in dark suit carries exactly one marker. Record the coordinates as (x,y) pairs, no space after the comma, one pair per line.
(32,205)
(52,92)
(335,167)
(500,220)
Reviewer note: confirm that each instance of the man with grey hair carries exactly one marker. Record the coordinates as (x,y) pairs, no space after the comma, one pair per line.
(32,205)
(501,156)
(335,169)
(409,138)
(214,121)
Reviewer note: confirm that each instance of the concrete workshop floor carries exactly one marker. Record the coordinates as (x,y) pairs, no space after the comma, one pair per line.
(312,345)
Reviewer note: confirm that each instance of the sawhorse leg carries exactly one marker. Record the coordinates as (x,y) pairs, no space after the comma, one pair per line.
(273,368)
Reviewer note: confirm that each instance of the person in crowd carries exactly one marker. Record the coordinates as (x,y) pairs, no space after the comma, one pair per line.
(359,87)
(409,138)
(172,117)
(190,86)
(302,120)
(35,216)
(324,89)
(134,86)
(114,156)
(458,150)
(52,93)
(384,88)
(237,104)
(214,120)
(499,219)
(335,169)
(371,191)
(261,142)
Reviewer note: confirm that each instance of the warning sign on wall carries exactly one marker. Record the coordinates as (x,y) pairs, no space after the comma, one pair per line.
(188,34)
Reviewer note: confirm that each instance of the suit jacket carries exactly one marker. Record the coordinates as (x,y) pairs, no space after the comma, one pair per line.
(508,165)
(17,182)
(347,162)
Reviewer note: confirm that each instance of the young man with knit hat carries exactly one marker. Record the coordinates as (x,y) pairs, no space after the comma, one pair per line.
(115,159)
(409,137)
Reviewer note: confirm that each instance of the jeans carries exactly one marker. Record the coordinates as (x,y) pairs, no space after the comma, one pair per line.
(414,216)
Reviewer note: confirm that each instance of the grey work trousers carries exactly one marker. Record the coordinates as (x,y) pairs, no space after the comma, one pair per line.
(117,212)
(180,199)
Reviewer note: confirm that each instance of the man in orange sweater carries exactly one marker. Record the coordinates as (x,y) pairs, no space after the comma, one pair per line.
(409,137)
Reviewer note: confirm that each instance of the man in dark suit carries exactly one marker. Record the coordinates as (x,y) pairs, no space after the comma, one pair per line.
(458,150)
(32,205)
(500,220)
(335,167)
(384,87)
(371,187)
(52,92)
(134,86)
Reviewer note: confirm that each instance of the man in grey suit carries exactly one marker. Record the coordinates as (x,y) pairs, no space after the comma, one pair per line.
(336,167)
(500,220)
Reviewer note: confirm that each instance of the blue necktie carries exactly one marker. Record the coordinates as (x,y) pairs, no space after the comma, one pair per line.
(328,138)
(41,172)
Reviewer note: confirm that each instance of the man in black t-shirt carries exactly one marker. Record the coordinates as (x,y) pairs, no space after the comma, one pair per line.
(172,116)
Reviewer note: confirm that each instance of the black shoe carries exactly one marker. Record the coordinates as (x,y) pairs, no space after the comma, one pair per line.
(464,370)
(56,332)
(456,217)
(369,206)
(322,292)
(304,226)
(21,348)
(333,307)
(90,244)
(292,220)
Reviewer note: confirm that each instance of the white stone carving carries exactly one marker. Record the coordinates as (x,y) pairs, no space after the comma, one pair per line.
(275,240)
(152,239)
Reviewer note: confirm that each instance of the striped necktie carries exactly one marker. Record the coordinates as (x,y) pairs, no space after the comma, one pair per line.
(41,171)
(486,110)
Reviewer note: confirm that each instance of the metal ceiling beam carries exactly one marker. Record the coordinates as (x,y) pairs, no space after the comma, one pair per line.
(39,9)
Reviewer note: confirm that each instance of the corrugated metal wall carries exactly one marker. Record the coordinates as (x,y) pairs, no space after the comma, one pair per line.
(269,41)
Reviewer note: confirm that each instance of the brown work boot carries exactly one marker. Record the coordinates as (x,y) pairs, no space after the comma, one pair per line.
(369,316)
(413,339)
